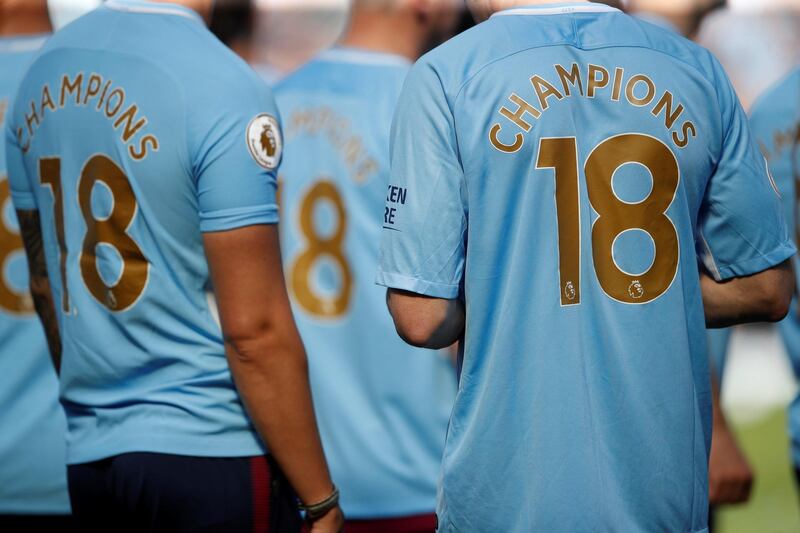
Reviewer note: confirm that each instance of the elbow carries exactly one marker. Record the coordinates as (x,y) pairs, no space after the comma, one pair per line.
(776,296)
(414,331)
(254,341)
(425,322)
(776,304)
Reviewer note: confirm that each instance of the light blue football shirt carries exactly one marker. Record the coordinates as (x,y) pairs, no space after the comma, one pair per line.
(134,131)
(33,472)
(719,341)
(557,166)
(775,119)
(382,406)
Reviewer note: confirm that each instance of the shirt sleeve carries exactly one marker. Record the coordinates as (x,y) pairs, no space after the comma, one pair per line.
(425,218)
(235,154)
(22,194)
(742,227)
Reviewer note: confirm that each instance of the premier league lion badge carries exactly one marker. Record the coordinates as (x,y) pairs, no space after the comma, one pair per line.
(264,141)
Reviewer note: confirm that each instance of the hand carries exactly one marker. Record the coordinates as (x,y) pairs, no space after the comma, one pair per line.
(730,477)
(333,522)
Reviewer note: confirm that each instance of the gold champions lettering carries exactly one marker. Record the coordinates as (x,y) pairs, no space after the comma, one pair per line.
(91,92)
(781,140)
(324,120)
(638,90)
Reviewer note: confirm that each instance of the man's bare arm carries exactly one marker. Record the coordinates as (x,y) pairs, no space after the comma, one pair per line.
(762,297)
(266,355)
(730,477)
(42,294)
(424,321)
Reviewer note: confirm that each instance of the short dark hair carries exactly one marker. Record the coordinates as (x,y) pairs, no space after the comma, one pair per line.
(232,20)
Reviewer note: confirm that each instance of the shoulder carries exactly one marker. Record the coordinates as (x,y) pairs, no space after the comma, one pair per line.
(210,69)
(15,57)
(664,40)
(344,76)
(304,78)
(462,57)
(345,68)
(784,93)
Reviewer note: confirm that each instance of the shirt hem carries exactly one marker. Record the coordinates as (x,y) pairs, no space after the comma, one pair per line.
(91,454)
(420,286)
(371,514)
(757,264)
(238,218)
(23,202)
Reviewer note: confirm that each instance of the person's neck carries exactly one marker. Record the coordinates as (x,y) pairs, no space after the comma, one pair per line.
(24,17)
(378,32)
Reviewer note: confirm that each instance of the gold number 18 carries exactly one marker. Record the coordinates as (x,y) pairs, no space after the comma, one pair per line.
(615,216)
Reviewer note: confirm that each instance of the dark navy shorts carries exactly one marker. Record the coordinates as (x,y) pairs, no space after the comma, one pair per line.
(153,492)
(37,524)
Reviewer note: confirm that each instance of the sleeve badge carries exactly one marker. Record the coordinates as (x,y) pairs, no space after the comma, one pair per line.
(264,141)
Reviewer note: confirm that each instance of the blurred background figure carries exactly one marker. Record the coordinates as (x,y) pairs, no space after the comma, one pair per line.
(33,473)
(232,23)
(682,16)
(287,33)
(776,124)
(758,43)
(382,406)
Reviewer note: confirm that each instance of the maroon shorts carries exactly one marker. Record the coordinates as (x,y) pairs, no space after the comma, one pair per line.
(425,523)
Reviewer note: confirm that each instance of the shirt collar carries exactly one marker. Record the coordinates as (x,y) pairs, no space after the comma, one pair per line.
(556,9)
(348,54)
(153,8)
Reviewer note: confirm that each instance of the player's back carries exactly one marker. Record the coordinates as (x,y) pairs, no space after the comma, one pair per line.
(382,406)
(33,475)
(130,125)
(775,119)
(586,140)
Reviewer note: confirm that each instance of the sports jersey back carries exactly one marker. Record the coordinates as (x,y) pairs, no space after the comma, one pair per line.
(775,119)
(32,451)
(135,130)
(556,165)
(382,406)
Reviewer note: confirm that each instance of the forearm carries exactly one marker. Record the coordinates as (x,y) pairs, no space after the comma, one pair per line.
(762,297)
(730,476)
(716,403)
(45,308)
(723,307)
(272,378)
(41,292)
